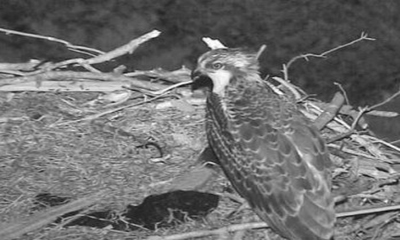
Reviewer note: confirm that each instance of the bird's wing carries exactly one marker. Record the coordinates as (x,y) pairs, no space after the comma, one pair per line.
(280,167)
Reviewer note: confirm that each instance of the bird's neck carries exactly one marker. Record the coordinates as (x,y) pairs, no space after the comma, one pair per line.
(242,88)
(238,95)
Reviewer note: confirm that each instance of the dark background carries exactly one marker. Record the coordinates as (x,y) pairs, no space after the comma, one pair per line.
(368,71)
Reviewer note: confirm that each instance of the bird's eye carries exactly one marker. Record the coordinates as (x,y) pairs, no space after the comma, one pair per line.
(217,66)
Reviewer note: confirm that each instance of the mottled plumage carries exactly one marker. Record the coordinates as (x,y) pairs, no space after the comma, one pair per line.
(273,156)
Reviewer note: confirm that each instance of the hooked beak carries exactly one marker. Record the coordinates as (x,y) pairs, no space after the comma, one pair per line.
(200,79)
(214,80)
(197,73)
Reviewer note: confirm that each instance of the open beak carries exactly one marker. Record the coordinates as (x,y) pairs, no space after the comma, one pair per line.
(216,81)
(197,74)
(200,79)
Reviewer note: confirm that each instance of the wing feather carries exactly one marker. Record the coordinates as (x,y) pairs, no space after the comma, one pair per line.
(278,162)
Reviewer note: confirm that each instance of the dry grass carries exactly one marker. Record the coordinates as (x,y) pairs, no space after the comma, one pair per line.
(45,149)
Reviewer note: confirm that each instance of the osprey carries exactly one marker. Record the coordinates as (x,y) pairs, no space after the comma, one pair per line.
(270,152)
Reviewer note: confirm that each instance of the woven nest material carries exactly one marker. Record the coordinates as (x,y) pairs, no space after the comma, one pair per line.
(92,147)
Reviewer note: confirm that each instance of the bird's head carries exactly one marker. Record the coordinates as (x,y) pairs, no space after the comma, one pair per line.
(225,67)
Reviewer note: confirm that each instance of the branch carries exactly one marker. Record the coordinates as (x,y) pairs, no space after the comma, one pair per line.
(12,67)
(73,47)
(358,117)
(364,110)
(384,102)
(219,231)
(177,76)
(330,111)
(71,75)
(286,67)
(127,48)
(261,50)
(254,225)
(293,89)
(103,57)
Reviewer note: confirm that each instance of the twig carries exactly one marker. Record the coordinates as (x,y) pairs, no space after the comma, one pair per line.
(390,145)
(103,57)
(343,92)
(219,231)
(73,47)
(254,225)
(71,75)
(17,229)
(67,86)
(330,111)
(385,101)
(289,86)
(379,113)
(363,110)
(260,51)
(317,110)
(286,67)
(367,211)
(176,76)
(127,48)
(340,136)
(28,66)
(162,91)
(106,112)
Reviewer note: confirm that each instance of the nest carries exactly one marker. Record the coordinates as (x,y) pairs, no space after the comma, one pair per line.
(59,135)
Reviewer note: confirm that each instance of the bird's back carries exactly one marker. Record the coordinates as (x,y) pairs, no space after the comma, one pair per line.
(275,158)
